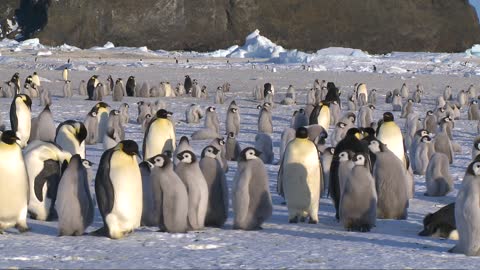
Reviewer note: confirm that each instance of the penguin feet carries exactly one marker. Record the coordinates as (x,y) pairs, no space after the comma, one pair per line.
(21,228)
(293,220)
(364,228)
(312,221)
(303,219)
(103,231)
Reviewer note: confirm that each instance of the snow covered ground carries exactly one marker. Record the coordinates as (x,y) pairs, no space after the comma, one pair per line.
(391,244)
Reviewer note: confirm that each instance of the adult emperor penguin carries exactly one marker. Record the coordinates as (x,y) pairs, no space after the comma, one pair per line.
(118,187)
(300,176)
(217,211)
(20,118)
(390,182)
(188,84)
(65,74)
(467,212)
(389,133)
(14,183)
(130,87)
(74,203)
(91,84)
(173,204)
(188,170)
(358,204)
(362,90)
(321,116)
(71,135)
(159,136)
(233,118)
(251,199)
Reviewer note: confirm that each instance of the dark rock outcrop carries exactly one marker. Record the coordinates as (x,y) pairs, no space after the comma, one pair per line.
(377,26)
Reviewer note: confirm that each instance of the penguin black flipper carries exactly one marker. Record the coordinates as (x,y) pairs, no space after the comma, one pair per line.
(13,116)
(144,143)
(103,186)
(313,120)
(50,174)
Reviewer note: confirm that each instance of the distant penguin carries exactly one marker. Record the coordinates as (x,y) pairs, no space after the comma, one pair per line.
(211,120)
(130,87)
(118,91)
(407,108)
(109,85)
(82,88)
(442,141)
(70,136)
(358,204)
(144,91)
(311,97)
(20,118)
(74,203)
(467,212)
(91,84)
(43,126)
(390,134)
(217,211)
(372,97)
(300,176)
(391,183)
(188,170)
(389,97)
(114,122)
(232,147)
(430,122)
(362,94)
(365,116)
(67,89)
(14,183)
(118,188)
(326,160)
(179,90)
(476,147)
(219,96)
(188,84)
(45,97)
(473,111)
(412,124)
(144,108)
(300,119)
(404,91)
(268,87)
(264,144)
(193,114)
(124,116)
(397,103)
(438,180)
(471,91)
(196,89)
(422,156)
(233,118)
(111,139)
(269,97)
(334,112)
(103,110)
(333,93)
(447,93)
(251,199)
(173,201)
(462,98)
(264,122)
(65,74)
(159,136)
(91,124)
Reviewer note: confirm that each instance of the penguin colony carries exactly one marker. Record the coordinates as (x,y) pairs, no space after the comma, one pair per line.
(365,165)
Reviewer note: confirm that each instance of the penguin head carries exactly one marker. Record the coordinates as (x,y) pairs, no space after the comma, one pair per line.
(371,106)
(345,156)
(25,99)
(160,161)
(429,113)
(330,150)
(187,156)
(301,111)
(354,132)
(131,77)
(249,153)
(373,90)
(368,132)
(129,147)
(162,114)
(80,131)
(101,105)
(148,116)
(359,159)
(352,117)
(473,102)
(9,137)
(184,139)
(211,109)
(87,163)
(301,133)
(233,110)
(210,151)
(474,167)
(421,132)
(231,135)
(376,146)
(125,105)
(442,109)
(114,112)
(389,94)
(220,88)
(92,113)
(220,141)
(388,117)
(425,139)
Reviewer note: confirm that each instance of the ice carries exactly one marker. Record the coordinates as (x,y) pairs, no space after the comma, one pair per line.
(257,46)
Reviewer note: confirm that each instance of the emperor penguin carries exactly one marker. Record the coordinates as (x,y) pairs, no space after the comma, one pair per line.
(467,212)
(473,111)
(333,93)
(365,116)
(174,202)
(232,147)
(45,97)
(462,98)
(422,156)
(339,132)
(311,97)
(326,160)
(65,74)
(447,93)
(404,91)
(71,135)
(44,162)
(151,213)
(35,79)
(300,119)
(91,84)
(14,183)
(118,91)
(183,145)
(430,122)
(217,211)
(389,133)
(82,88)
(265,119)
(334,112)
(372,97)
(114,122)
(291,92)
(219,96)
(67,89)
(124,116)
(219,143)
(20,118)
(211,120)
(91,124)
(74,202)
(391,183)
(118,188)
(130,87)
(233,118)
(397,103)
(188,169)
(358,204)
(15,80)
(188,84)
(251,199)
(144,91)
(412,124)
(300,176)
(471,91)
(258,93)
(103,111)
(111,139)
(193,114)
(109,85)
(476,147)
(389,97)
(321,116)
(344,168)
(438,180)
(407,108)
(159,136)
(144,108)
(362,94)
(43,126)
(441,223)
(264,144)
(442,141)
(413,146)
(268,87)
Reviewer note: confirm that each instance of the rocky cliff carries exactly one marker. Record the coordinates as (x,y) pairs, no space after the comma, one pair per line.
(377,26)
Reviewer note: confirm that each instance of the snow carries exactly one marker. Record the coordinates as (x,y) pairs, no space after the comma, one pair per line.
(257,46)
(44,53)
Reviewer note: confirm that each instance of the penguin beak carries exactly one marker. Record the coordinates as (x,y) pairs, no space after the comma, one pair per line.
(358,135)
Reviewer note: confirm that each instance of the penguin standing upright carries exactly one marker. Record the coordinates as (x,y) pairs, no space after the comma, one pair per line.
(217,211)
(65,74)
(103,111)
(74,203)
(20,117)
(118,91)
(389,133)
(232,147)
(233,118)
(43,126)
(130,87)
(159,136)
(188,84)
(300,175)
(91,84)
(118,187)
(251,199)
(91,124)
(14,183)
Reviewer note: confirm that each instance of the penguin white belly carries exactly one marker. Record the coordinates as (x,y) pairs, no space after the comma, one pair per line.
(69,143)
(23,122)
(102,117)
(324,118)
(362,89)
(65,74)
(126,180)
(14,183)
(160,138)
(391,135)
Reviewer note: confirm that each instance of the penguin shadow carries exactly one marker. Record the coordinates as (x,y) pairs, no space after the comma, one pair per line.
(43,227)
